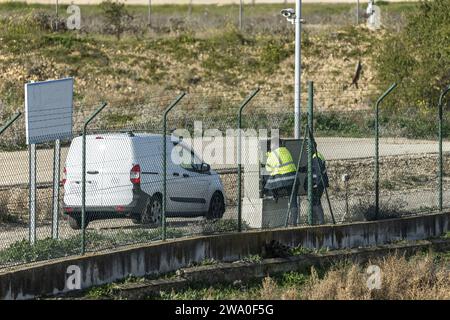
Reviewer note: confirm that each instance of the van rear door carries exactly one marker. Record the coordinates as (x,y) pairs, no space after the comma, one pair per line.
(95,150)
(117,189)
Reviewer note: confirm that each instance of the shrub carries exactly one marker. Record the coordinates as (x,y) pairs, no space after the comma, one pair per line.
(365,209)
(417,56)
(116,17)
(5,215)
(47,21)
(273,52)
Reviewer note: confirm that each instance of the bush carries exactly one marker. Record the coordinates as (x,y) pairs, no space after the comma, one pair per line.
(116,16)
(418,57)
(365,210)
(47,21)
(5,215)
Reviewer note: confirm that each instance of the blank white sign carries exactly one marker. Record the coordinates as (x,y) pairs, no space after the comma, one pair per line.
(48,110)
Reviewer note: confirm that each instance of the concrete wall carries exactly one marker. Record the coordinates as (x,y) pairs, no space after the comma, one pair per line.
(100,268)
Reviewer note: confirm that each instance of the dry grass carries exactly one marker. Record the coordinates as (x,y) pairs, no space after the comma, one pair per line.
(422,277)
(419,278)
(14,204)
(269,289)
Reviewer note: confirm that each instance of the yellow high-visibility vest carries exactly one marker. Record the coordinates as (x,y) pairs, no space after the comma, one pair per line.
(279,161)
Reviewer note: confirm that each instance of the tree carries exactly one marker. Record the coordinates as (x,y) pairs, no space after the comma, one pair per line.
(116,16)
(419,55)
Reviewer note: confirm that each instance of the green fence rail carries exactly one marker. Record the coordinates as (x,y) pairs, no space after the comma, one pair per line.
(83,177)
(239,155)
(164,140)
(441,156)
(309,136)
(377,143)
(10,122)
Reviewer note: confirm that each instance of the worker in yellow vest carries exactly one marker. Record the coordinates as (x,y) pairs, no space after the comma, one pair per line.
(282,171)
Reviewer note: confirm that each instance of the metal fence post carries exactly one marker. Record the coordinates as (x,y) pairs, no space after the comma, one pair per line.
(32,193)
(149,17)
(357,12)
(10,122)
(377,169)
(310,150)
(56,176)
(239,154)
(57,16)
(83,178)
(241,13)
(441,157)
(164,204)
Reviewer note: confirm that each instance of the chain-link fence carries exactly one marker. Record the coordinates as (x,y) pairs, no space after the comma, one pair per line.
(124,169)
(248,16)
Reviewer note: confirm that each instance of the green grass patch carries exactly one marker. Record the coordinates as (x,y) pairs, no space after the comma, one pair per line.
(45,249)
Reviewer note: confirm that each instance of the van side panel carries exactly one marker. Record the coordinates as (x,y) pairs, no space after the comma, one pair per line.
(149,154)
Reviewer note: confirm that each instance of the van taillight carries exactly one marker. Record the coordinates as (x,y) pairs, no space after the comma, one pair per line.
(64,179)
(135,174)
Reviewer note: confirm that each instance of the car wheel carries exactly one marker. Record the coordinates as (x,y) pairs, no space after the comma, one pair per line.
(152,213)
(216,206)
(75,222)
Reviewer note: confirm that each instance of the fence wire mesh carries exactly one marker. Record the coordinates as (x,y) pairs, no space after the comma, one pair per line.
(206,123)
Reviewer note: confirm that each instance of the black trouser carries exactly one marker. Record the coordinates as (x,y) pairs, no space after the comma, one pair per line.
(293,214)
(318,215)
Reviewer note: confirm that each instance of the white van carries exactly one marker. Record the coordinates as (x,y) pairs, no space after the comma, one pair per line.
(124,178)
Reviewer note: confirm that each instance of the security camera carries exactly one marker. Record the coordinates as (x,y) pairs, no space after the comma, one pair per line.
(288,13)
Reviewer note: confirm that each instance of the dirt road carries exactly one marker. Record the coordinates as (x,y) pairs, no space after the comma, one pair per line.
(14,165)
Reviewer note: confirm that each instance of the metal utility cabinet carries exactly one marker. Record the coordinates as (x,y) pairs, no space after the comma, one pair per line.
(260,210)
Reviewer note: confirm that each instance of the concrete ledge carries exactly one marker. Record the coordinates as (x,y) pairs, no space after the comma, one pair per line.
(244,271)
(50,277)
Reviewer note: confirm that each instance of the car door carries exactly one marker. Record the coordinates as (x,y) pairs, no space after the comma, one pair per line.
(95,150)
(189,186)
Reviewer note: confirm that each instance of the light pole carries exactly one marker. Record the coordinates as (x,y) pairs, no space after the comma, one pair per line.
(295,17)
(357,12)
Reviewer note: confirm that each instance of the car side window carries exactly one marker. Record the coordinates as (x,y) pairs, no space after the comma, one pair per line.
(191,162)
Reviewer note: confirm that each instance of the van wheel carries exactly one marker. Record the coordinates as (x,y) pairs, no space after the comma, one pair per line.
(216,206)
(75,222)
(152,214)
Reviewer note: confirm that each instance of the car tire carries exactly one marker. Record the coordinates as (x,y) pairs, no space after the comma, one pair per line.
(216,206)
(152,213)
(75,222)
